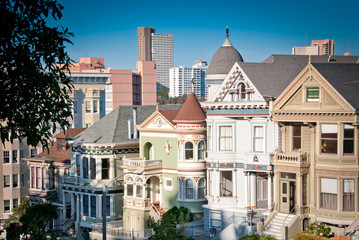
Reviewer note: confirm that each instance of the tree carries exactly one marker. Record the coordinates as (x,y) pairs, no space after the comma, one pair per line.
(18,211)
(33,62)
(30,222)
(166,228)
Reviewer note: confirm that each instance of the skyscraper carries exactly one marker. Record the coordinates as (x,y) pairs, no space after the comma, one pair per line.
(326,47)
(157,47)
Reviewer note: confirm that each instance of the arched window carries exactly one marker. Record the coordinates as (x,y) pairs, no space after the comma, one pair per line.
(130,190)
(201,189)
(189,189)
(242,91)
(129,179)
(189,151)
(201,150)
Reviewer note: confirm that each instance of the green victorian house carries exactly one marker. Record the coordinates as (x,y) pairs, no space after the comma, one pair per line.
(172,156)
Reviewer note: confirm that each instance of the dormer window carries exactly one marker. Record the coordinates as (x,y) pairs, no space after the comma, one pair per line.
(313,94)
(241,91)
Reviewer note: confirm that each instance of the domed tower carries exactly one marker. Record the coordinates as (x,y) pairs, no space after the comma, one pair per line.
(220,65)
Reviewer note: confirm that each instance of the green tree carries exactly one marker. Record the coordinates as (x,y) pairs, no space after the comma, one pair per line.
(32,222)
(162,93)
(33,62)
(166,228)
(18,211)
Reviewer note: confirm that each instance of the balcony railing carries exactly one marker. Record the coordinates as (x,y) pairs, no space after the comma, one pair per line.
(293,157)
(142,163)
(75,180)
(115,230)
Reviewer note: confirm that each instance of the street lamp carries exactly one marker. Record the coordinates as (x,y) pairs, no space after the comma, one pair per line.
(104,190)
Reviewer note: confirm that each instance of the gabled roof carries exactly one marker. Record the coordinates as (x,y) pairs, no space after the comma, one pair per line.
(69,133)
(289,59)
(113,128)
(169,114)
(191,111)
(344,78)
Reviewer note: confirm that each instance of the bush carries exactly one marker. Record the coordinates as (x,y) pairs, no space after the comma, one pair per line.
(318,229)
(257,237)
(308,236)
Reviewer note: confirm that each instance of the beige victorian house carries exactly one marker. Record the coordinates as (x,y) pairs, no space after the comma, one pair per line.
(316,168)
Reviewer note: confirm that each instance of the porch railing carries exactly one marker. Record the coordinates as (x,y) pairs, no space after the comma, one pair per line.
(293,157)
(142,163)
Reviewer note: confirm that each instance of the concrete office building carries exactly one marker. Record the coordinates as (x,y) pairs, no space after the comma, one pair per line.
(326,47)
(157,47)
(181,80)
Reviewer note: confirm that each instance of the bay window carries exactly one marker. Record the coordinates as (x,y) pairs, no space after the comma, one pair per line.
(328,193)
(329,135)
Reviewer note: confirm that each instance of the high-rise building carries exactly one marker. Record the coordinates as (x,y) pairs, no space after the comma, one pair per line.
(181,80)
(157,47)
(326,47)
(144,43)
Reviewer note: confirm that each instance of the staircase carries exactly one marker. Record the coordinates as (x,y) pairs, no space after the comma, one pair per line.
(274,227)
(158,209)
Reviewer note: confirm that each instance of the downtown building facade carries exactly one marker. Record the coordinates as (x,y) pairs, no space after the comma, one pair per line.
(157,47)
(181,79)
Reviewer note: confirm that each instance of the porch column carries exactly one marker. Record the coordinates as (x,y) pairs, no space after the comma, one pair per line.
(299,189)
(246,189)
(253,189)
(160,186)
(63,205)
(235,179)
(72,204)
(270,207)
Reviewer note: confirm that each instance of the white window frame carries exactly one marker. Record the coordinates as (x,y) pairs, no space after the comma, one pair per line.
(264,147)
(219,136)
(209,137)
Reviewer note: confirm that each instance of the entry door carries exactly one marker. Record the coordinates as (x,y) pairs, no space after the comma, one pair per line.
(284,196)
(291,196)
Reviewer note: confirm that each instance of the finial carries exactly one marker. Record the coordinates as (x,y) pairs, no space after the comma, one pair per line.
(227,32)
(310,59)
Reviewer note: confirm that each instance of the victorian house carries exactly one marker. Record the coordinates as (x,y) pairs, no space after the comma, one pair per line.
(47,170)
(172,157)
(316,166)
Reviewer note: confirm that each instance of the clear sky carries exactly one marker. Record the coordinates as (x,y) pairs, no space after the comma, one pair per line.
(257,28)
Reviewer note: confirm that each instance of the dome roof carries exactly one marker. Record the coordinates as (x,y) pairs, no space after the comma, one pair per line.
(224,59)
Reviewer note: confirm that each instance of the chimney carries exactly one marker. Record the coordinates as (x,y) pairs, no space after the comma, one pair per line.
(135,132)
(129,123)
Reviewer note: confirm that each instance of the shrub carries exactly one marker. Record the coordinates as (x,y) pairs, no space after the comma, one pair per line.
(257,237)
(318,229)
(308,236)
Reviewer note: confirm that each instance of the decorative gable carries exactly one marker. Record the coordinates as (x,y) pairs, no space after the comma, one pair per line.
(156,121)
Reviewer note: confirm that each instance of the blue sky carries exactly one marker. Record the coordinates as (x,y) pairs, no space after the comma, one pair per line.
(257,28)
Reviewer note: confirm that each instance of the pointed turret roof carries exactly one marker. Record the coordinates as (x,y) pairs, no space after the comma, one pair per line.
(191,111)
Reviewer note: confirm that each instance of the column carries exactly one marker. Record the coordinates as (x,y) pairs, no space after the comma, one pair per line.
(63,205)
(246,188)
(235,179)
(269,197)
(253,189)
(299,191)
(77,207)
(276,188)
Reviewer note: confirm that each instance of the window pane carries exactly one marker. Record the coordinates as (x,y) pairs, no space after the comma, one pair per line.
(86,205)
(258,139)
(297,137)
(85,167)
(348,139)
(93,206)
(226,184)
(139,191)
(329,138)
(105,168)
(93,168)
(225,138)
(129,190)
(348,195)
(108,206)
(201,150)
(189,151)
(189,189)
(201,188)
(313,94)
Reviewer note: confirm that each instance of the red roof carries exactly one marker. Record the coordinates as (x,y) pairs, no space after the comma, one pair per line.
(169,114)
(191,111)
(70,132)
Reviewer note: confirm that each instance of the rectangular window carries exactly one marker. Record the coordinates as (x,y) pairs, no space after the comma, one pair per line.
(78,166)
(313,94)
(297,137)
(85,169)
(6,156)
(105,168)
(86,205)
(225,138)
(88,106)
(15,202)
(33,152)
(93,168)
(14,156)
(226,184)
(95,107)
(6,206)
(38,178)
(329,138)
(348,144)
(15,180)
(139,191)
(348,195)
(258,139)
(33,177)
(130,190)
(93,206)
(209,137)
(6,181)
(328,194)
(108,206)
(22,180)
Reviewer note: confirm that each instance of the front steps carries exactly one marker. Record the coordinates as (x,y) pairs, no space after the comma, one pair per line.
(274,227)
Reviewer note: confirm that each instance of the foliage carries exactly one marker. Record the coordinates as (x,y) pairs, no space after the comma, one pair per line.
(308,236)
(33,221)
(166,228)
(163,93)
(163,98)
(18,211)
(256,237)
(33,62)
(318,229)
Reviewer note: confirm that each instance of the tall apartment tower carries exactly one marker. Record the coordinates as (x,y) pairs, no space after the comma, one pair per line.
(144,43)
(157,47)
(326,47)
